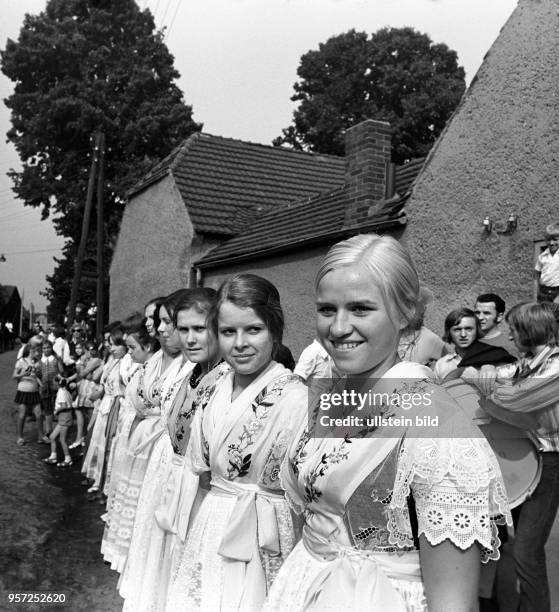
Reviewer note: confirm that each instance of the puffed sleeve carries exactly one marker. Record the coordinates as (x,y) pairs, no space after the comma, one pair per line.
(456,483)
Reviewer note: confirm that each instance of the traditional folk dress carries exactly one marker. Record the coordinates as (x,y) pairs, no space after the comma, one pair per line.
(175,496)
(112,380)
(127,369)
(366,500)
(134,443)
(243,529)
(140,583)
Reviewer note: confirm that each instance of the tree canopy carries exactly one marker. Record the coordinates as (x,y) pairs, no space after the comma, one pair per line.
(82,66)
(397,75)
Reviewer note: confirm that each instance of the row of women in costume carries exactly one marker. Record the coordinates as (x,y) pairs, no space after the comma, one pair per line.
(227,491)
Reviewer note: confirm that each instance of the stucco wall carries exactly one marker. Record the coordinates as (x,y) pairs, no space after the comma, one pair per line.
(293,274)
(152,256)
(499,154)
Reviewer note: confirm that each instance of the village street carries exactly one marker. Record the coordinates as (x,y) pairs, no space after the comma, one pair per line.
(51,533)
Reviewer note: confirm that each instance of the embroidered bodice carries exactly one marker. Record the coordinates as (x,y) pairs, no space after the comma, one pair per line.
(245,440)
(379,490)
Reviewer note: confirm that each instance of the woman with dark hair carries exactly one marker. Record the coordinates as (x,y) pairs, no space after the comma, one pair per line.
(170,487)
(396,515)
(245,418)
(120,517)
(151,314)
(113,380)
(155,381)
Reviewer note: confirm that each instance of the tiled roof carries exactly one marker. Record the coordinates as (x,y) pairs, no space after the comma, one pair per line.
(311,220)
(225,183)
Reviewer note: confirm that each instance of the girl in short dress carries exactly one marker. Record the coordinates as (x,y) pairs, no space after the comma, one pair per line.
(63,415)
(396,515)
(244,422)
(28,398)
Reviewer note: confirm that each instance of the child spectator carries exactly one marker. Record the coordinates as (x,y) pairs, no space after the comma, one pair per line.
(86,364)
(63,412)
(546,270)
(50,367)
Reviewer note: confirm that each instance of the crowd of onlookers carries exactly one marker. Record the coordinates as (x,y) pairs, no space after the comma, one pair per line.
(57,374)
(212,366)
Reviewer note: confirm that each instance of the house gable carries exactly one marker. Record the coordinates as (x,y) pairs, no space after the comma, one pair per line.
(497,156)
(152,255)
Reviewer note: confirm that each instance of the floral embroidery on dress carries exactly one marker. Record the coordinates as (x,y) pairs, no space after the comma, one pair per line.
(239,463)
(336,455)
(270,474)
(150,397)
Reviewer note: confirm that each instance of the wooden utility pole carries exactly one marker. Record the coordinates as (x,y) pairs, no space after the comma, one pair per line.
(100,241)
(85,231)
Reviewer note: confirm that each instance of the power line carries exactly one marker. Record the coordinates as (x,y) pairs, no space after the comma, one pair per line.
(172,20)
(165,14)
(155,11)
(34,251)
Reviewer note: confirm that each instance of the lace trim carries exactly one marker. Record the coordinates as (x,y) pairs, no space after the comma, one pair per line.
(444,513)
(458,490)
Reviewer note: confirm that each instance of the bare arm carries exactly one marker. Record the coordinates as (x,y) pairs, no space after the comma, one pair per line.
(90,367)
(20,371)
(450,576)
(537,276)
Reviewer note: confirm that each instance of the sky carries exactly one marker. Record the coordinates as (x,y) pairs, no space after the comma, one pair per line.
(238,62)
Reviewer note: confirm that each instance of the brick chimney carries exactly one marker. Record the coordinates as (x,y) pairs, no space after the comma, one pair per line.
(367,154)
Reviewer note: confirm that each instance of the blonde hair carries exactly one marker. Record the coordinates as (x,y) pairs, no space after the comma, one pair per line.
(391,268)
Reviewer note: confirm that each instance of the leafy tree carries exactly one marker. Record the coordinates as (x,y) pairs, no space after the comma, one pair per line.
(82,66)
(397,75)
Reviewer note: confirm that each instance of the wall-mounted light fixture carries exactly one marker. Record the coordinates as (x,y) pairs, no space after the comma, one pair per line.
(510,225)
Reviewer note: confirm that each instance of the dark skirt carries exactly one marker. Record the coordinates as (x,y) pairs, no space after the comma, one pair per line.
(28,398)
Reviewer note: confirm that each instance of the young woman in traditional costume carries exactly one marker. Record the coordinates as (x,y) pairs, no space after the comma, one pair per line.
(121,497)
(113,380)
(171,486)
(141,430)
(245,418)
(149,450)
(397,515)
